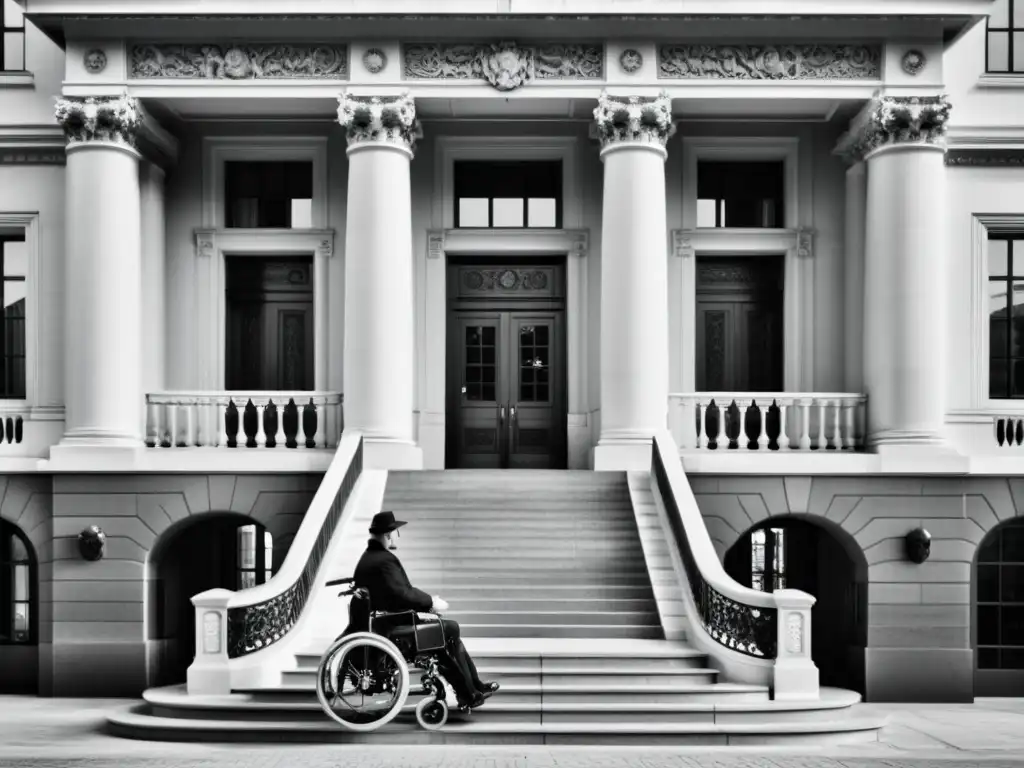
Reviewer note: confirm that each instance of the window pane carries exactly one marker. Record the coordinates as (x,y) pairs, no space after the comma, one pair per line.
(261,194)
(1011,625)
(543,212)
(998,379)
(998,51)
(14,291)
(14,51)
(268,540)
(508,212)
(706,213)
(15,258)
(247,580)
(19,554)
(247,546)
(999,258)
(21,577)
(302,214)
(1012,583)
(474,212)
(1018,51)
(999,14)
(988,583)
(1013,544)
(989,550)
(22,617)
(988,625)
(1018,13)
(752,192)
(988,658)
(13,15)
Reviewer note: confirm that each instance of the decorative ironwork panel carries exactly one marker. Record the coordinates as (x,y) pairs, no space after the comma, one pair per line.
(258,61)
(252,628)
(744,628)
(770,62)
(533,282)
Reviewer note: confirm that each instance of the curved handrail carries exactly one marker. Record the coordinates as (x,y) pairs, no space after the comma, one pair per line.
(741,619)
(263,615)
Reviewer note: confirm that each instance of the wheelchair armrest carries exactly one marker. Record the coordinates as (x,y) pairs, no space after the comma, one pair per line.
(336,582)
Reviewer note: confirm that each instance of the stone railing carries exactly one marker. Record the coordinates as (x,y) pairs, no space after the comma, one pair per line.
(751,635)
(243,419)
(772,421)
(233,626)
(29,431)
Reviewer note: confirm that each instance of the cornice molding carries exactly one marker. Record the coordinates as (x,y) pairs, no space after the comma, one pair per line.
(986,158)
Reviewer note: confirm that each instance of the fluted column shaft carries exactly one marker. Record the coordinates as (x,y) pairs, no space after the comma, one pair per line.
(103,273)
(634,279)
(379,338)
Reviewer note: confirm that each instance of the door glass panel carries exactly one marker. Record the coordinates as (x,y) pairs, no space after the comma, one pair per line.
(534,363)
(480,374)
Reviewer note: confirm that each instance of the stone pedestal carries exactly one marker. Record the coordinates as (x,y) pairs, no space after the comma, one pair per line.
(103,275)
(379,375)
(634,279)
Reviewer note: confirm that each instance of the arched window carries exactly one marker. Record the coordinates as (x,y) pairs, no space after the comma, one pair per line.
(255,555)
(1000,595)
(17,587)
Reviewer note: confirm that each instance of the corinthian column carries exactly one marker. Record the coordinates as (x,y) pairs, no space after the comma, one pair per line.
(103,273)
(379,384)
(902,142)
(634,278)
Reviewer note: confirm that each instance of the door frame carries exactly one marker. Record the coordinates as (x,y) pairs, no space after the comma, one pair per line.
(432,364)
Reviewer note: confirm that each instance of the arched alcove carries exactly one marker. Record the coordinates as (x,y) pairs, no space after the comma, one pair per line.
(207,551)
(998,611)
(19,612)
(818,557)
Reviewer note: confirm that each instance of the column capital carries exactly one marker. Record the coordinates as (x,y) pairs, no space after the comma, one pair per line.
(388,120)
(114,119)
(633,120)
(889,121)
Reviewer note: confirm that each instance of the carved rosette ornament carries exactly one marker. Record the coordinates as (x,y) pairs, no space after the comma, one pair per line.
(892,120)
(380,119)
(506,66)
(99,118)
(633,120)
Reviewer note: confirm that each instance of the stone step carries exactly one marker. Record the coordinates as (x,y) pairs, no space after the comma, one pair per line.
(618,562)
(651,632)
(545,618)
(535,677)
(426,579)
(474,602)
(574,592)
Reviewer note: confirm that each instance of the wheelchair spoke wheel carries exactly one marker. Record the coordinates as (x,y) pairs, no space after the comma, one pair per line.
(362,682)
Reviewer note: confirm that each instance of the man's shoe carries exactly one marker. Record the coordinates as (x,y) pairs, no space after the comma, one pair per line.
(476,700)
(489,689)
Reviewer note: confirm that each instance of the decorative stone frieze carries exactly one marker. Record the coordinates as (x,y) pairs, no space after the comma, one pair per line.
(99,118)
(32,157)
(769,62)
(505,65)
(890,120)
(258,61)
(379,119)
(635,119)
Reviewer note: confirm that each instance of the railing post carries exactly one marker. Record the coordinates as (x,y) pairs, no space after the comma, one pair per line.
(210,673)
(795,674)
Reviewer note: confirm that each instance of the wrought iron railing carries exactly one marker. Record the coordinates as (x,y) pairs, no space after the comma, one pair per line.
(252,628)
(747,629)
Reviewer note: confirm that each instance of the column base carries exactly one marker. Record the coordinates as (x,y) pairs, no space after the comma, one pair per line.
(912,452)
(94,456)
(623,455)
(381,453)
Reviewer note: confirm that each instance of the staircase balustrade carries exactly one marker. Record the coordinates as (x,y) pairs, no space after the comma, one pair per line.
(243,419)
(768,421)
(774,627)
(232,625)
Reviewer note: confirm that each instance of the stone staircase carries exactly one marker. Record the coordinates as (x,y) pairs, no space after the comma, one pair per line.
(551,583)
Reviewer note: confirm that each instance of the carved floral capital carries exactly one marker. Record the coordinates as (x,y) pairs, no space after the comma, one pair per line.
(892,120)
(633,120)
(99,118)
(380,119)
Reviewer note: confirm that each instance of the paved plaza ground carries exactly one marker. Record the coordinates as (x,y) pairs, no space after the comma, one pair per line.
(54,733)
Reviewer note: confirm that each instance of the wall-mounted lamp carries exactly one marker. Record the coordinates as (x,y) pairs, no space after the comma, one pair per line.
(91,542)
(918,544)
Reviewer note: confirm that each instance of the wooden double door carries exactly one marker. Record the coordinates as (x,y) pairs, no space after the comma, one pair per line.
(507,373)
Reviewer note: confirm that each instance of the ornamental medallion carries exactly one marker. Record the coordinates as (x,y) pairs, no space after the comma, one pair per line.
(506,66)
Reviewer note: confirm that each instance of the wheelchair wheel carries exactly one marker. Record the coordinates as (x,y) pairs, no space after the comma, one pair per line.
(432,713)
(362,682)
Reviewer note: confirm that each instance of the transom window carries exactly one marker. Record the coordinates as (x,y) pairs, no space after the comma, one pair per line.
(1000,640)
(12,41)
(741,194)
(17,586)
(1004,45)
(255,556)
(13,268)
(269,194)
(768,559)
(1006,316)
(508,194)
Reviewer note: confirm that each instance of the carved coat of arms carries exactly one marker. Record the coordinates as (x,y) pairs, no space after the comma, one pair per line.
(506,66)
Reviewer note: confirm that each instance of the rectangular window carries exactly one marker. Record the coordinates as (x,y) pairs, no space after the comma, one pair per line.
(771,575)
(1005,322)
(13,269)
(1004,43)
(272,195)
(255,563)
(508,195)
(741,194)
(12,41)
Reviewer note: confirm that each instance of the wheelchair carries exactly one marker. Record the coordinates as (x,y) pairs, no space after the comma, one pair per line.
(363,679)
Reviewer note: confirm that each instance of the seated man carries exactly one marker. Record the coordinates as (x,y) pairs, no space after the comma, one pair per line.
(381,573)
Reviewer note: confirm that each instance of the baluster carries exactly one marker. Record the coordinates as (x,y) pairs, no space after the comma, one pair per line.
(158,439)
(241,439)
(190,425)
(331,417)
(173,425)
(261,433)
(783,426)
(722,441)
(822,442)
(280,441)
(837,435)
(320,435)
(762,440)
(850,411)
(220,414)
(805,425)
(703,441)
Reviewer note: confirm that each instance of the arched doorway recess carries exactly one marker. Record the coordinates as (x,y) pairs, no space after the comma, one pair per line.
(817,557)
(19,612)
(210,551)
(998,620)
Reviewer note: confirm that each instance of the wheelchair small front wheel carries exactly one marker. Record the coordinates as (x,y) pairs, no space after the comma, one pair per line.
(432,713)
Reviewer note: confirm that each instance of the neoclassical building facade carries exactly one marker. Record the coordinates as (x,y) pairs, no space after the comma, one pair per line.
(505,236)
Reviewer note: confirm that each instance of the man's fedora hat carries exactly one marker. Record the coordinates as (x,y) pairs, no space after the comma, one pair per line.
(384,522)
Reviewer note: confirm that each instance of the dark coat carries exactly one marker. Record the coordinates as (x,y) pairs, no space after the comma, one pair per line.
(382,574)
